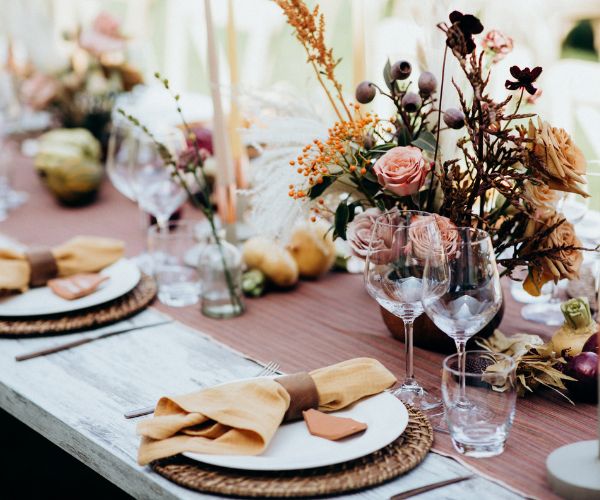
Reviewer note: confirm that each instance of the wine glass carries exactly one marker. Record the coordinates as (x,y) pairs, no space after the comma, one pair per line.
(393,276)
(122,152)
(573,207)
(137,171)
(461,286)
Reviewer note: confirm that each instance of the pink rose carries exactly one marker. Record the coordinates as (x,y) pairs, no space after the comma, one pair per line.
(497,42)
(424,237)
(402,170)
(359,233)
(104,36)
(40,90)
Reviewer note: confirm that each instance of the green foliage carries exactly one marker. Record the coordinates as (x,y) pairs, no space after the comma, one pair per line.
(426,141)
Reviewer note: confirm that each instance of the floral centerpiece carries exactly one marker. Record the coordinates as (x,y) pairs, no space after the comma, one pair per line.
(510,170)
(82,94)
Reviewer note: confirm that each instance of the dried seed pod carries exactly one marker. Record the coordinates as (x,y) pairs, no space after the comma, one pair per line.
(401,70)
(427,83)
(365,92)
(454,118)
(411,102)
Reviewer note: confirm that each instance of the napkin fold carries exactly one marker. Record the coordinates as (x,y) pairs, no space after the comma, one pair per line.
(241,418)
(82,254)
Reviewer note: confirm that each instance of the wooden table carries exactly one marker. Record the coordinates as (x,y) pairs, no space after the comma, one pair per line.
(319,323)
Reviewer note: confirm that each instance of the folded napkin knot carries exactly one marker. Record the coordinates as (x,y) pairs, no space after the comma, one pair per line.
(303,394)
(43,266)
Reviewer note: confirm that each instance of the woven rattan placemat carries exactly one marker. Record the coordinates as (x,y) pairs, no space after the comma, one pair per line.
(388,463)
(123,307)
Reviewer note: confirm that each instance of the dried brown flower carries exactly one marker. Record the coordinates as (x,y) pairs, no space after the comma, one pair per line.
(561,162)
(559,250)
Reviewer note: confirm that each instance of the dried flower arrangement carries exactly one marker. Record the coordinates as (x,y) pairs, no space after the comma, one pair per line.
(512,169)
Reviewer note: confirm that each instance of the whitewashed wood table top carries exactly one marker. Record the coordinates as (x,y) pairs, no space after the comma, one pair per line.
(76,399)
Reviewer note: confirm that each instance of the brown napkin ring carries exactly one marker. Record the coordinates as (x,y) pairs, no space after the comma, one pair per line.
(43,266)
(303,394)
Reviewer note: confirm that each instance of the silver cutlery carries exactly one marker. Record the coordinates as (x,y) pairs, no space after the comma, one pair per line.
(269,369)
(429,487)
(86,340)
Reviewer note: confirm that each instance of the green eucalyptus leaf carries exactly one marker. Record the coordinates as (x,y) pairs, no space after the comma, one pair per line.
(403,136)
(425,141)
(387,76)
(342,215)
(318,189)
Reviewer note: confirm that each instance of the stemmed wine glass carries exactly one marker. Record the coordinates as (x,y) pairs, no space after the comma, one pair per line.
(393,276)
(137,170)
(573,207)
(461,287)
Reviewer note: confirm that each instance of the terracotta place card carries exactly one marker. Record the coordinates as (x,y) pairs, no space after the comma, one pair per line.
(331,427)
(76,286)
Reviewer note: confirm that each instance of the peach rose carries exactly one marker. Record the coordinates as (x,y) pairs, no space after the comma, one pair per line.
(104,36)
(564,165)
(402,170)
(40,90)
(554,266)
(359,233)
(541,196)
(423,237)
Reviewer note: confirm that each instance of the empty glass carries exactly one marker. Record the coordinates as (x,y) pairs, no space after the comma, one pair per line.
(480,428)
(177,277)
(461,286)
(394,266)
(152,182)
(221,273)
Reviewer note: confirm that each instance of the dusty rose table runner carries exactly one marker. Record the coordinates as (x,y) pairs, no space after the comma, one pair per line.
(319,323)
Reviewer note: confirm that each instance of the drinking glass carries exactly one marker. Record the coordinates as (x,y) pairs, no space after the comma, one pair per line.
(400,241)
(220,266)
(573,208)
(156,190)
(461,286)
(178,279)
(123,145)
(487,383)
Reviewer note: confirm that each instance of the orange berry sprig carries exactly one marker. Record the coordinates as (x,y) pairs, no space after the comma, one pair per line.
(333,157)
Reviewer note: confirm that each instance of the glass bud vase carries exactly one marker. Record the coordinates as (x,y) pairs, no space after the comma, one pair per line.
(220,266)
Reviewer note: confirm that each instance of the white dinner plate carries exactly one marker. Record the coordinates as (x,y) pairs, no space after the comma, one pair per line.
(293,447)
(123,275)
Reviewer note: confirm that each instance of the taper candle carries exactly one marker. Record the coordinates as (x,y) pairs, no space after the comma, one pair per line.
(225,175)
(358,42)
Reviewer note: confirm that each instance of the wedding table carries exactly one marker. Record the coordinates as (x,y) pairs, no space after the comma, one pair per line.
(76,398)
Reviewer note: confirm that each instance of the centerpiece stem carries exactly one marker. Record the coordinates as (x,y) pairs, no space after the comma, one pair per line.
(461,346)
(408,349)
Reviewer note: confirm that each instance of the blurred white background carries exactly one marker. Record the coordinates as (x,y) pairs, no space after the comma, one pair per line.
(169,36)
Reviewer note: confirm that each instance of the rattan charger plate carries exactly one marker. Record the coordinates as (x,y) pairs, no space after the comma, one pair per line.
(129,304)
(395,459)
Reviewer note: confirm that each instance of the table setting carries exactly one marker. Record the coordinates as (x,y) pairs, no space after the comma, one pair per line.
(379,300)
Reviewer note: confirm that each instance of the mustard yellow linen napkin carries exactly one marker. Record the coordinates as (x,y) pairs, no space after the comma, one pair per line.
(240,418)
(78,255)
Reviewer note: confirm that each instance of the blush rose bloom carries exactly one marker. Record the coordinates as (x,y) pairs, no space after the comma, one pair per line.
(402,170)
(103,36)
(359,232)
(422,236)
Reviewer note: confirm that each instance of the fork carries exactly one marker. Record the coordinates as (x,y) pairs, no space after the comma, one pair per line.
(271,368)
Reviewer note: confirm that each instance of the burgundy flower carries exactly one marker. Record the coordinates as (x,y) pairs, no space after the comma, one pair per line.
(469,25)
(525,78)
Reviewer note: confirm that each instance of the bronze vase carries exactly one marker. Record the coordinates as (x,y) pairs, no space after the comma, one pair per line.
(430,337)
